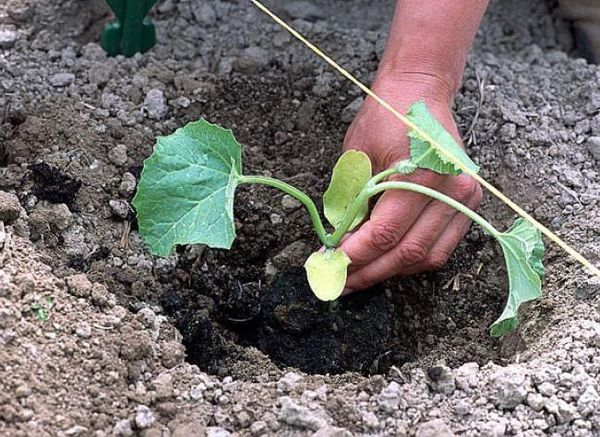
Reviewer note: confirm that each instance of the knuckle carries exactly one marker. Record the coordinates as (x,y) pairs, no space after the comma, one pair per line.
(477,197)
(464,188)
(412,252)
(385,235)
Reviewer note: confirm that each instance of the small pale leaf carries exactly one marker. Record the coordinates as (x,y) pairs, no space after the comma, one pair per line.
(350,174)
(185,194)
(326,273)
(427,155)
(523,251)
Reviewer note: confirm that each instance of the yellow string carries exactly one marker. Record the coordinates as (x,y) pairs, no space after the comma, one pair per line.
(547,232)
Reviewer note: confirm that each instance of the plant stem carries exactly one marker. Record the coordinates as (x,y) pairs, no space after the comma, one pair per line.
(297,194)
(372,190)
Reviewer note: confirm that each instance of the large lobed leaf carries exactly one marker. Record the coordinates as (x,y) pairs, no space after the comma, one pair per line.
(349,176)
(185,194)
(427,155)
(326,273)
(523,251)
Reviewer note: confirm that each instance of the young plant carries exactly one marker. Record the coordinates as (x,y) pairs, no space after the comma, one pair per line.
(186,194)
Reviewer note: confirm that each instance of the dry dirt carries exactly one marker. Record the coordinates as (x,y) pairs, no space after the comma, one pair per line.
(94,330)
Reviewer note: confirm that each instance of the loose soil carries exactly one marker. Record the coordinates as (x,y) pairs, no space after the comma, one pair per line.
(110,357)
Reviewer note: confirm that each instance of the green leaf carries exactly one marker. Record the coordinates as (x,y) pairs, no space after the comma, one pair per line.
(427,155)
(185,194)
(350,174)
(326,273)
(523,251)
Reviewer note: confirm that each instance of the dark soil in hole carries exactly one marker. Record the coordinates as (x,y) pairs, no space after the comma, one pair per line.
(291,326)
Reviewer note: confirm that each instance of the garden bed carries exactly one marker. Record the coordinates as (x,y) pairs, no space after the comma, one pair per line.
(261,356)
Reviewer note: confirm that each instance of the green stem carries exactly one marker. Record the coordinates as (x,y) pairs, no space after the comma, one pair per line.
(372,190)
(300,196)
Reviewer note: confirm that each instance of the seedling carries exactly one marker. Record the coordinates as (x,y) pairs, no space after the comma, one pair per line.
(41,309)
(131,32)
(186,195)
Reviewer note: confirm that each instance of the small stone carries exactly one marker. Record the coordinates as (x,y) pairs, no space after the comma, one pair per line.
(434,428)
(589,401)
(536,401)
(546,389)
(252,60)
(217,431)
(290,203)
(508,386)
(60,80)
(155,104)
(76,430)
(128,184)
(593,145)
(389,398)
(332,431)
(276,219)
(8,36)
(192,429)
(466,376)
(122,428)
(101,297)
(21,10)
(562,411)
(144,418)
(120,208)
(259,428)
(205,14)
(300,416)
(79,285)
(171,353)
(10,208)
(147,317)
(163,385)
(182,102)
(83,330)
(350,111)
(304,10)
(288,382)
(118,155)
(22,391)
(441,379)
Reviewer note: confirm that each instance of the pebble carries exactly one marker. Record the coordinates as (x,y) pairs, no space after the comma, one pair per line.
(300,416)
(290,203)
(434,428)
(508,387)
(128,184)
(466,377)
(60,80)
(144,418)
(205,14)
(288,382)
(8,36)
(304,10)
(389,398)
(536,401)
(589,402)
(118,155)
(120,208)
(259,428)
(276,219)
(122,428)
(593,145)
(252,60)
(441,379)
(155,104)
(562,411)
(79,285)
(83,330)
(10,208)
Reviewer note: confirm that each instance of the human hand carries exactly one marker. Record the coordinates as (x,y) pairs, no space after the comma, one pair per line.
(407,232)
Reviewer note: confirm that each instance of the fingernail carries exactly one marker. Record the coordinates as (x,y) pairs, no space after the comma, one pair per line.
(347,291)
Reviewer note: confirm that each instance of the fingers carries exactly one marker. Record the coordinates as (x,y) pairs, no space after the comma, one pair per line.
(413,249)
(392,217)
(428,243)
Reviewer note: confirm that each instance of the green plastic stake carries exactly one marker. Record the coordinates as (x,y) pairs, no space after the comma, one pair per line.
(131,32)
